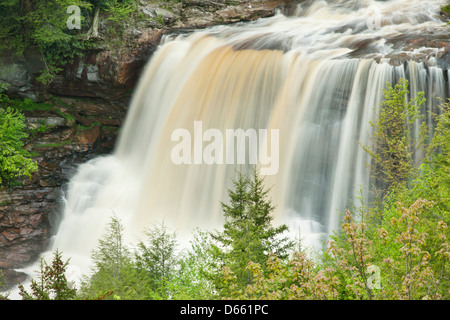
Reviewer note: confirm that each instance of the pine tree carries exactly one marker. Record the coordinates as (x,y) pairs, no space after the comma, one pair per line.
(52,283)
(155,260)
(393,146)
(111,270)
(248,235)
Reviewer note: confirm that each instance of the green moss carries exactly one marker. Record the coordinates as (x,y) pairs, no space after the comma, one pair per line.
(81,128)
(53,144)
(30,106)
(34,154)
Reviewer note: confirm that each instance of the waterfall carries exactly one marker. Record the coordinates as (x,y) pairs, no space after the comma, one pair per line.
(316,77)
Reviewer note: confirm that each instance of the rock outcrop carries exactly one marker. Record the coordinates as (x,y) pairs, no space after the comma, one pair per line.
(31,211)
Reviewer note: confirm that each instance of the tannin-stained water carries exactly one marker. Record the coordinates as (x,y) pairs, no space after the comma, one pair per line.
(315,77)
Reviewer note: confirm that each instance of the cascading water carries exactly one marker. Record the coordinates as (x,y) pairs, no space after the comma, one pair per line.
(316,77)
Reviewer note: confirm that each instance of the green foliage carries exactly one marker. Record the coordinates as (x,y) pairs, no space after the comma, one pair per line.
(50,35)
(117,14)
(42,25)
(111,267)
(248,235)
(409,243)
(154,270)
(351,255)
(52,283)
(29,105)
(438,175)
(15,161)
(119,11)
(3,296)
(411,251)
(393,145)
(155,261)
(10,22)
(296,278)
(417,269)
(193,277)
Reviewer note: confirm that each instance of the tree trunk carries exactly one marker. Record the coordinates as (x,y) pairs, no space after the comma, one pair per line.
(93,31)
(26,6)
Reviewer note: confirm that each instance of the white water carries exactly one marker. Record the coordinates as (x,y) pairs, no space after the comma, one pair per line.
(317,77)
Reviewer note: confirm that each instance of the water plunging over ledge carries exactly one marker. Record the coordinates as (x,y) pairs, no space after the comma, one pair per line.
(316,77)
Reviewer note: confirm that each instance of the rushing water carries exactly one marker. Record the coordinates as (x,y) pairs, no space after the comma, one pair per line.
(315,77)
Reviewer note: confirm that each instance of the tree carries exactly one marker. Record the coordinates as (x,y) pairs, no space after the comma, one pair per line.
(351,255)
(393,144)
(93,30)
(3,295)
(112,265)
(155,261)
(52,283)
(417,269)
(15,161)
(297,278)
(118,11)
(192,278)
(42,25)
(403,256)
(248,235)
(48,32)
(437,175)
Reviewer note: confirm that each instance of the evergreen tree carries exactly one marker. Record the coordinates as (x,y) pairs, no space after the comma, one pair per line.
(393,143)
(155,261)
(112,263)
(248,235)
(3,295)
(52,283)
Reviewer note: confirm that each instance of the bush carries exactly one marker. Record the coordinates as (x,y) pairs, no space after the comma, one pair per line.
(15,161)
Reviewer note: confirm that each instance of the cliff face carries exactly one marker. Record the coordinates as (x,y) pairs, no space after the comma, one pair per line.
(78,116)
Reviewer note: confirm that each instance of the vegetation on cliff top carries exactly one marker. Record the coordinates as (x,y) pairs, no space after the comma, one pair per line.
(58,30)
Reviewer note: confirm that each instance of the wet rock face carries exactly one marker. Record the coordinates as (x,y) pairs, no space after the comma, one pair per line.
(31,211)
(109,74)
(203,13)
(19,72)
